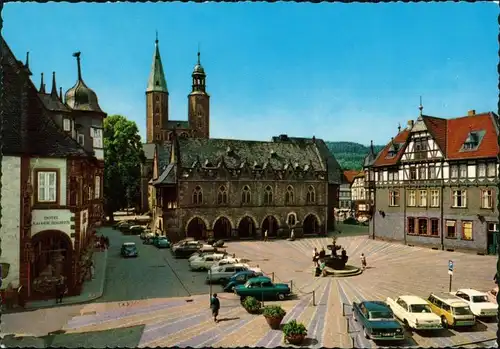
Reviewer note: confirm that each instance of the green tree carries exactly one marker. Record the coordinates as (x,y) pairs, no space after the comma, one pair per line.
(123,156)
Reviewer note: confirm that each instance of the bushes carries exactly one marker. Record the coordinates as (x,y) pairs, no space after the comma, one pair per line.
(252,305)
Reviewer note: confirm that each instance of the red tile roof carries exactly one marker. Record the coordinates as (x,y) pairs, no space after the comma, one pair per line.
(349,175)
(383,160)
(450,135)
(437,127)
(459,129)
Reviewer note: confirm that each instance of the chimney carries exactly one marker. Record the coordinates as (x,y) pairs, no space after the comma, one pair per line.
(471,112)
(410,124)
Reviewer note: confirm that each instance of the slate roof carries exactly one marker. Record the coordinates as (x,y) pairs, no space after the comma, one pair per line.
(234,153)
(53,104)
(171,124)
(168,176)
(149,150)
(163,153)
(27,126)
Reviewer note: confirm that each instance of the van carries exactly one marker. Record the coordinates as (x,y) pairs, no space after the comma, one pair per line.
(453,311)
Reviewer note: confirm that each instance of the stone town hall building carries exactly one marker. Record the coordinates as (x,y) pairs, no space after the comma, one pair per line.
(199,186)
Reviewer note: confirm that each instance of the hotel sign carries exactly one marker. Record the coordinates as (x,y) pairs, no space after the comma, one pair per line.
(52,220)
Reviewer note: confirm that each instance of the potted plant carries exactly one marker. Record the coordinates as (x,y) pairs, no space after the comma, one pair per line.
(252,305)
(294,332)
(274,314)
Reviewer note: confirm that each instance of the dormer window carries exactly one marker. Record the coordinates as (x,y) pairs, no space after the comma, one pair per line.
(67,124)
(472,141)
(393,150)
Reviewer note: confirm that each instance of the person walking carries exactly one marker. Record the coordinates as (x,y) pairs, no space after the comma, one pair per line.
(215,306)
(292,236)
(363,261)
(265,235)
(60,291)
(315,257)
(92,270)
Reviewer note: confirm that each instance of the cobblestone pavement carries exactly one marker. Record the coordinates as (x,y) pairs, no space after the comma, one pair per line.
(154,274)
(394,270)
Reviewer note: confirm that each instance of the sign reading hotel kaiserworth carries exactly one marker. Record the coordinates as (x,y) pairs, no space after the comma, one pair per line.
(51,220)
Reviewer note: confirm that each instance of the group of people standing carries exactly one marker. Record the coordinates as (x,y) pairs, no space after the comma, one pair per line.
(102,242)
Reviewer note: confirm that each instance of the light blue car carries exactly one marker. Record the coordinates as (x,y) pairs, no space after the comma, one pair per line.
(162,243)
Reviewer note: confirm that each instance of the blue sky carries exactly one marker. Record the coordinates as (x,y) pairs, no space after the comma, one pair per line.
(341,72)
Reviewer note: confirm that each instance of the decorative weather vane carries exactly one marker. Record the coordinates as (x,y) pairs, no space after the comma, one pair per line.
(421,107)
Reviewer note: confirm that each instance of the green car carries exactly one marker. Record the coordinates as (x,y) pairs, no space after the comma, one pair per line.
(161,242)
(262,288)
(377,321)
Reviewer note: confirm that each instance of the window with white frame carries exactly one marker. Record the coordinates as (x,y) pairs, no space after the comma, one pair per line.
(97,186)
(96,134)
(481,170)
(422,172)
(434,198)
(412,198)
(46,186)
(491,170)
(486,198)
(451,229)
(67,124)
(460,198)
(463,171)
(422,200)
(492,227)
(432,172)
(394,198)
(81,139)
(454,171)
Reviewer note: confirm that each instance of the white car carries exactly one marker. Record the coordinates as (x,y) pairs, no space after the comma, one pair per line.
(190,244)
(227,260)
(223,273)
(201,253)
(206,261)
(415,313)
(478,302)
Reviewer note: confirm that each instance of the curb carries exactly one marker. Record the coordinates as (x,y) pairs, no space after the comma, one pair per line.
(83,301)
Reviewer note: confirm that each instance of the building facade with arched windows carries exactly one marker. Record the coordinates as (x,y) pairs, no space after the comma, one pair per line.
(235,189)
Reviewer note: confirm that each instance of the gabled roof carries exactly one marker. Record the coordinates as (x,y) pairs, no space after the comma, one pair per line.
(460,128)
(383,159)
(163,154)
(437,127)
(349,175)
(169,175)
(53,104)
(28,128)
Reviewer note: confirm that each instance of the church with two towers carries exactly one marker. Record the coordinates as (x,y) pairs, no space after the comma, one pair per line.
(196,186)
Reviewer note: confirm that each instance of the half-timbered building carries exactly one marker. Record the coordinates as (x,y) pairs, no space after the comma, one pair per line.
(436,184)
(52,171)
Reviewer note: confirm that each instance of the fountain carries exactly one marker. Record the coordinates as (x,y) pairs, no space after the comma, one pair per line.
(336,264)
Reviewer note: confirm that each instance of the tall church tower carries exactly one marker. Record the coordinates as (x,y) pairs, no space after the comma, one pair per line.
(199,104)
(156,100)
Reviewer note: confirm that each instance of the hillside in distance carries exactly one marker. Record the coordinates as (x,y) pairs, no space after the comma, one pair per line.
(350,155)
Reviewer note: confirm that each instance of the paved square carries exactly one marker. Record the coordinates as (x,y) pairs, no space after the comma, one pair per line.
(393,270)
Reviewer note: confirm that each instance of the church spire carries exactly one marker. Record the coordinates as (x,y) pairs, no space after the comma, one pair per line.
(157,81)
(42,85)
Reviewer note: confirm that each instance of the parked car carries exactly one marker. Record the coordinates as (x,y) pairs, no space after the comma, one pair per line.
(124,227)
(478,302)
(205,262)
(415,313)
(201,253)
(180,242)
(218,243)
(119,223)
(227,260)
(129,249)
(136,229)
(223,273)
(147,233)
(162,242)
(377,321)
(453,311)
(186,249)
(240,279)
(262,288)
